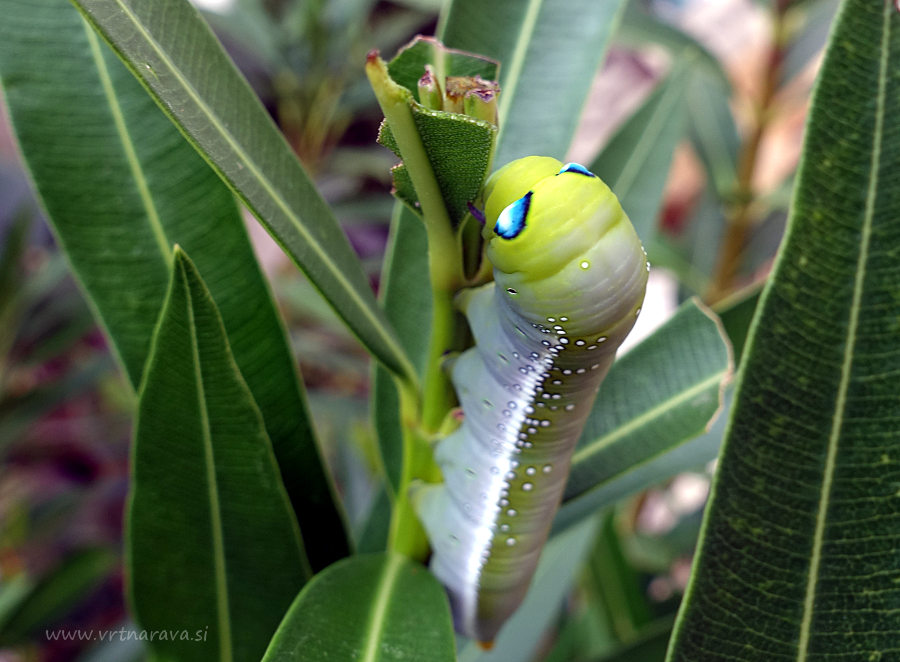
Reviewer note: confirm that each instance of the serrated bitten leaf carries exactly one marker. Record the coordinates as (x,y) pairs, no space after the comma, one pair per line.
(408,65)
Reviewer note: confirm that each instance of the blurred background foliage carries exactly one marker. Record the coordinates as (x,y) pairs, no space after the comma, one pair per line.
(64,410)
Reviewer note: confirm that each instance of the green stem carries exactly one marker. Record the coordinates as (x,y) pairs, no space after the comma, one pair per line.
(407,536)
(445,270)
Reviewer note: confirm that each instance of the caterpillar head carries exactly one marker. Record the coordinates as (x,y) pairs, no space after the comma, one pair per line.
(561,245)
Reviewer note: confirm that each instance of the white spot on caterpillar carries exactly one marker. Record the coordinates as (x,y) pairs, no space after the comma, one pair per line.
(551,319)
(512,404)
(510,475)
(527,487)
(547,468)
(512,512)
(545,423)
(580,371)
(563,319)
(530,471)
(580,343)
(570,406)
(504,503)
(585,264)
(495,470)
(510,541)
(504,527)
(564,341)
(602,339)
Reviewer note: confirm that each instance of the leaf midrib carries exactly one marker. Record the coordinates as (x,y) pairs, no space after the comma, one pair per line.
(134,163)
(267,186)
(218,539)
(372,636)
(849,347)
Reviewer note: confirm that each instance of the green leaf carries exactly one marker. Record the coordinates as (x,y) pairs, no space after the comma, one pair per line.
(367,608)
(56,594)
(121,186)
(713,132)
(655,398)
(522,635)
(172,51)
(736,313)
(799,547)
(635,162)
(408,66)
(549,51)
(213,545)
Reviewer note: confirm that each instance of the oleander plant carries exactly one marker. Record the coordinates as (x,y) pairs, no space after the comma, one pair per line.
(493,508)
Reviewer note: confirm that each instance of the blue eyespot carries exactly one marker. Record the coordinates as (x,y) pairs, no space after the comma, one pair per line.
(575,167)
(511,220)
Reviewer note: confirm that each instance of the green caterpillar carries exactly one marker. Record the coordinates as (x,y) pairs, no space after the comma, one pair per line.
(569,280)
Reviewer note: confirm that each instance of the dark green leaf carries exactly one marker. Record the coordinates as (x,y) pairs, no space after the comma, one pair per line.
(213,545)
(370,608)
(167,45)
(799,549)
(121,186)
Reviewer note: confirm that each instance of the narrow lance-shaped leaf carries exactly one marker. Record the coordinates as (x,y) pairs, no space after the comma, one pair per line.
(121,187)
(169,47)
(635,162)
(798,559)
(368,608)
(549,51)
(213,546)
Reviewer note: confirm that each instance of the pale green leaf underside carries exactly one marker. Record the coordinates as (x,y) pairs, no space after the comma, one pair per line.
(798,559)
(172,51)
(212,543)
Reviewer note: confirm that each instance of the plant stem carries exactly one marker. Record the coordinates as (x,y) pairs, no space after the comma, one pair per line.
(406,533)
(740,220)
(445,271)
